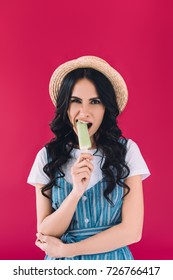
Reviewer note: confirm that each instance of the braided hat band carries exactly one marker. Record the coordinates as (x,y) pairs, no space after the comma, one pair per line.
(96,63)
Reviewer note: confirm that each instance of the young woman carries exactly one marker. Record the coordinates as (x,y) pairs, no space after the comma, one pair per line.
(89,204)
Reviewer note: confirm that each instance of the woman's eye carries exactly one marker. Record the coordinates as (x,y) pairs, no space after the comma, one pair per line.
(75,101)
(96,101)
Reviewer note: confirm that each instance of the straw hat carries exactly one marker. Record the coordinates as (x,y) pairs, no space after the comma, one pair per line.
(96,63)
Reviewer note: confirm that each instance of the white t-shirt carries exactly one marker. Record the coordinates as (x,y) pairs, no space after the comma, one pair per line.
(134,161)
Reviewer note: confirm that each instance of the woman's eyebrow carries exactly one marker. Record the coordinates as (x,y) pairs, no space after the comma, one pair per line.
(75,97)
(93,98)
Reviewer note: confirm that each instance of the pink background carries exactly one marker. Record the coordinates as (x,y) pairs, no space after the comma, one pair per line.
(136,37)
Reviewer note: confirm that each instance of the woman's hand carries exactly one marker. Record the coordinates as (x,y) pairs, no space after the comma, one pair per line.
(52,246)
(81,173)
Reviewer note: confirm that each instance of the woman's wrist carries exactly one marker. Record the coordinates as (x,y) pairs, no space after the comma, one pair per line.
(76,195)
(71,250)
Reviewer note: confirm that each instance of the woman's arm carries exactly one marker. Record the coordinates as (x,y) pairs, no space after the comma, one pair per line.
(56,223)
(127,232)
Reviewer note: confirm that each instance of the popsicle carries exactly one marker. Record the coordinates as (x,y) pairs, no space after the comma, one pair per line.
(83,135)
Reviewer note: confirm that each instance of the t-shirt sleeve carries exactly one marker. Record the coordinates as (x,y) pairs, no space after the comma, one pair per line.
(135,161)
(37,175)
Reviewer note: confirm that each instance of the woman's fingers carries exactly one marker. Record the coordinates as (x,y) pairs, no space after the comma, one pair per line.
(41,245)
(87,163)
(40,237)
(81,170)
(84,156)
(82,167)
(84,176)
(76,168)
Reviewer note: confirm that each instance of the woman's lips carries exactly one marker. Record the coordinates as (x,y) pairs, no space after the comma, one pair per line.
(89,124)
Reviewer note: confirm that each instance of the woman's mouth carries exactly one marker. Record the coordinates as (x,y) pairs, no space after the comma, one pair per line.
(89,124)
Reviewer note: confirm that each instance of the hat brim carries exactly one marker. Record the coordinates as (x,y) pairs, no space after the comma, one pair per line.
(96,63)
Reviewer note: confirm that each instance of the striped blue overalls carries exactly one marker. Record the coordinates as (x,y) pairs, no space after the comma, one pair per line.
(93,215)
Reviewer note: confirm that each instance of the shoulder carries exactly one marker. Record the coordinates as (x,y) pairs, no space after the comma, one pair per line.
(41,158)
(42,154)
(37,174)
(135,160)
(133,150)
(132,145)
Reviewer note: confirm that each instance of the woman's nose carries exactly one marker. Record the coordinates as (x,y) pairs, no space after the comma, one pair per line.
(84,110)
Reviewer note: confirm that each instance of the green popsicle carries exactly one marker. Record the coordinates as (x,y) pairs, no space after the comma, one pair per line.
(83,135)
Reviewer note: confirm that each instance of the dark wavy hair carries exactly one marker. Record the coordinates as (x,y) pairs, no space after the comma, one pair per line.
(108,138)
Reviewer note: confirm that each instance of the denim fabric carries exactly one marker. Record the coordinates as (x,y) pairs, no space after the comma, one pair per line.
(93,214)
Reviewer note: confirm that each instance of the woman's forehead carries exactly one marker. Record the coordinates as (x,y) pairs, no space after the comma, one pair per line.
(84,88)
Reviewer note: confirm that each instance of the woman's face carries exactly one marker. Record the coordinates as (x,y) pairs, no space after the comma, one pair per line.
(85,105)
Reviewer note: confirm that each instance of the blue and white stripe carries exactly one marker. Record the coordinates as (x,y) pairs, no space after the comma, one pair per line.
(93,214)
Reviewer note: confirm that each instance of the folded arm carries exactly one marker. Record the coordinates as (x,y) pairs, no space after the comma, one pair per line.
(127,232)
(54,223)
